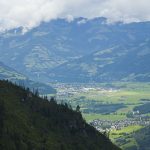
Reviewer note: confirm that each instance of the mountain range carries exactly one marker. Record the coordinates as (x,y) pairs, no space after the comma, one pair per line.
(79,51)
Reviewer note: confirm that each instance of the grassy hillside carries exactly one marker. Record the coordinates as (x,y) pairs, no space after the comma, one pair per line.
(142,137)
(132,138)
(28,122)
(8,73)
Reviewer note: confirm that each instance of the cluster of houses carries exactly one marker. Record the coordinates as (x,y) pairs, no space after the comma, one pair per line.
(103,125)
(69,90)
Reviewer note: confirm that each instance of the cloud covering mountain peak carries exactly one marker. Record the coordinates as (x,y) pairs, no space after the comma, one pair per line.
(30,13)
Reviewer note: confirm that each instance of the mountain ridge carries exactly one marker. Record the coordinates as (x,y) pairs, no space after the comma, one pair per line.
(30,122)
(7,73)
(39,51)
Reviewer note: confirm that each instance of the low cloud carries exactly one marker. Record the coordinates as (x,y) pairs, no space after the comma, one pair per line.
(30,13)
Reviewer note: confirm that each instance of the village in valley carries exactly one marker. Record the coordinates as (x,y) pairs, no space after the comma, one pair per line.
(81,94)
(69,90)
(117,110)
(109,125)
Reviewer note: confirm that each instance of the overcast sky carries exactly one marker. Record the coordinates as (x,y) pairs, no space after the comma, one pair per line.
(30,13)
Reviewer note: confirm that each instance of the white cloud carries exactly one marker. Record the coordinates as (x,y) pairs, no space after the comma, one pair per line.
(30,13)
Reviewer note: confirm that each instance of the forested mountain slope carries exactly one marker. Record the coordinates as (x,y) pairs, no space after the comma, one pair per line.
(28,122)
(113,64)
(97,48)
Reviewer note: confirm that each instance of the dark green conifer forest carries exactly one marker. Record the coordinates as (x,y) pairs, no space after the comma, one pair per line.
(29,122)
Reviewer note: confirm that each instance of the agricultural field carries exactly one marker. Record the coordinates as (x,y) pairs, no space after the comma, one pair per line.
(113,100)
(105,101)
(125,138)
(116,102)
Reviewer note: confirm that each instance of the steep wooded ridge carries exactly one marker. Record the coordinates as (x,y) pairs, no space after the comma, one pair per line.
(80,51)
(7,73)
(28,122)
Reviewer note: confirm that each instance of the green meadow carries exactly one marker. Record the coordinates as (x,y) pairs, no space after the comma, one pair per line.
(113,102)
(125,138)
(128,94)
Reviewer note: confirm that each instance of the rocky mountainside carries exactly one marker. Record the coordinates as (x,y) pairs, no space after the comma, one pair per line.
(28,122)
(40,52)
